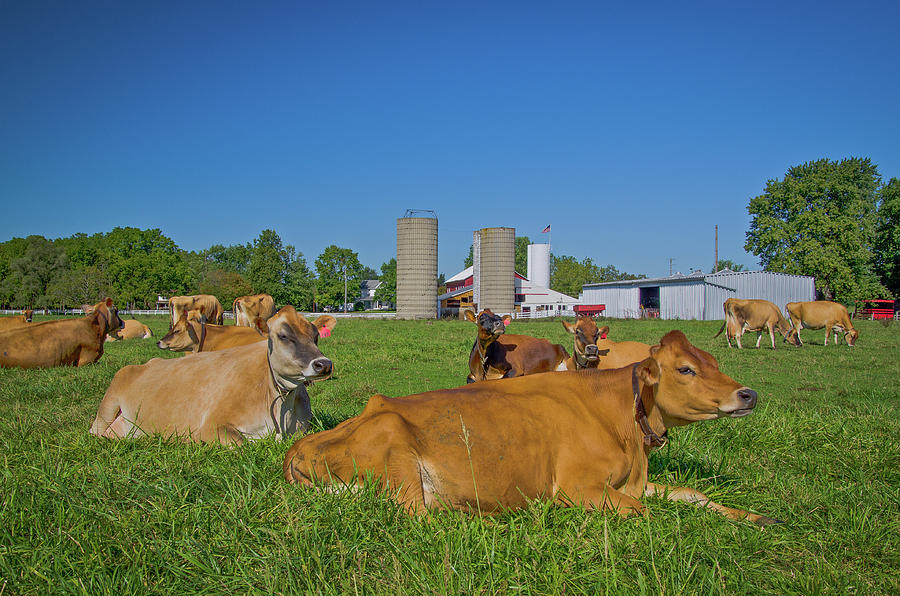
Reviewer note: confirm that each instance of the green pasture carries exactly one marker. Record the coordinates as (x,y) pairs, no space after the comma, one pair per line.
(821,452)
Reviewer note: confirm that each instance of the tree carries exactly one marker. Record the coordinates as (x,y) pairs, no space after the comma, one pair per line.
(368,273)
(567,275)
(279,270)
(141,264)
(224,285)
(234,258)
(300,283)
(387,291)
(887,237)
(32,274)
(728,264)
(820,221)
(331,267)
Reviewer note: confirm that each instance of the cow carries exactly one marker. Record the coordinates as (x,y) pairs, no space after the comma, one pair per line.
(821,313)
(753,315)
(325,324)
(229,396)
(191,334)
(496,355)
(70,342)
(247,309)
(131,329)
(576,437)
(16,321)
(593,349)
(208,305)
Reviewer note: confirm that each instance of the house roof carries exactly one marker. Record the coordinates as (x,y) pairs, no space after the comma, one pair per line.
(370,284)
(465,273)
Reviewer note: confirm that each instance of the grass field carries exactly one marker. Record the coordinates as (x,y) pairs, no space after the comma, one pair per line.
(821,452)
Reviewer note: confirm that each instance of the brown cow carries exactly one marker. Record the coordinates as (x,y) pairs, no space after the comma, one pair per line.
(229,396)
(208,305)
(131,329)
(580,438)
(70,342)
(247,309)
(593,349)
(16,321)
(753,315)
(496,355)
(190,334)
(818,314)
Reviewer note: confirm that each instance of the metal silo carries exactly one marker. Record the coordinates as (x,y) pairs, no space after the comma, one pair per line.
(539,265)
(417,265)
(494,262)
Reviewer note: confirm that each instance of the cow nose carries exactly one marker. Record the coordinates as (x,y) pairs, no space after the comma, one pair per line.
(748,396)
(322,366)
(591,350)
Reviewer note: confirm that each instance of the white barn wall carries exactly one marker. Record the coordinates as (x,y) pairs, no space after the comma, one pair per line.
(621,303)
(681,300)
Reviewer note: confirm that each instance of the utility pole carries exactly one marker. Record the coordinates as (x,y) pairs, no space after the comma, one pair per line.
(716,266)
(671,260)
(345,286)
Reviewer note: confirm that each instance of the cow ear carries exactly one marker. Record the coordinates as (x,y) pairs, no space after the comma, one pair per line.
(507,320)
(109,303)
(470,316)
(568,326)
(648,371)
(604,331)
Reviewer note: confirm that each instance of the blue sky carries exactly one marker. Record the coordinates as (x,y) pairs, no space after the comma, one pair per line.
(632,130)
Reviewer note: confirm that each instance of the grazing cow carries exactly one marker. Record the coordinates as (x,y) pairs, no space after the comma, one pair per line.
(131,329)
(579,438)
(190,334)
(496,355)
(208,305)
(247,309)
(818,314)
(70,342)
(593,349)
(16,321)
(228,396)
(753,315)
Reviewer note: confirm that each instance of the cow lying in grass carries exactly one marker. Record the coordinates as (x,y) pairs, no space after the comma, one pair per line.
(580,438)
(191,334)
(496,355)
(69,342)
(16,321)
(593,349)
(131,329)
(228,396)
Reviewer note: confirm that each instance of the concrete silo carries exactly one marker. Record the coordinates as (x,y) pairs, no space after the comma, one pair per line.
(417,265)
(539,265)
(494,263)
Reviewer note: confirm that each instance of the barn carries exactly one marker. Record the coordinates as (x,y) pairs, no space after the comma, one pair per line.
(696,296)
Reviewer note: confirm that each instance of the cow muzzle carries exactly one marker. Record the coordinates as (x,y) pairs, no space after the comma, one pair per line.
(592,352)
(744,400)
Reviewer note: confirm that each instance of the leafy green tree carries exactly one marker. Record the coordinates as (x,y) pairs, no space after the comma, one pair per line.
(387,291)
(300,283)
(820,221)
(141,264)
(32,274)
(224,285)
(331,266)
(368,273)
(9,251)
(728,264)
(279,270)
(235,257)
(85,285)
(568,275)
(887,237)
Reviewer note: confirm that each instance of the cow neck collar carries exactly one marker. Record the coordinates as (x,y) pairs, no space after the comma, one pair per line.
(281,391)
(202,337)
(581,360)
(651,439)
(484,358)
(105,328)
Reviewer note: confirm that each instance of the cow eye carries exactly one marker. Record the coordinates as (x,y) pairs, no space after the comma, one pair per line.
(687,370)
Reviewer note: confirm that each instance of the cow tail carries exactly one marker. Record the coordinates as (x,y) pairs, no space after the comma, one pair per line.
(725,322)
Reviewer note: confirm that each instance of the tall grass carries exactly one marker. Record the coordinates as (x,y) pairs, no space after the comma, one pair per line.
(82,515)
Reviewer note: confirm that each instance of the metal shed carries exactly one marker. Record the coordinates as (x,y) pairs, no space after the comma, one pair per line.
(696,296)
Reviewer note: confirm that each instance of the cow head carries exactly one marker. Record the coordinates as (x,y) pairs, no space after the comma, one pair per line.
(107,315)
(586,336)
(294,354)
(688,385)
(788,332)
(490,326)
(182,336)
(851,337)
(28,314)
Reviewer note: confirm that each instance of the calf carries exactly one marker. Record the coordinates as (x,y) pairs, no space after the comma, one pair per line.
(207,304)
(228,396)
(249,309)
(131,329)
(821,313)
(70,342)
(579,438)
(593,349)
(191,334)
(496,355)
(753,315)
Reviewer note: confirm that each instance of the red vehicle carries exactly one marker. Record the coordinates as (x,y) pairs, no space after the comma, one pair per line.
(874,309)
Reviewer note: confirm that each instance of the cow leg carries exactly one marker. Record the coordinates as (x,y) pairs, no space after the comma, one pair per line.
(827,331)
(758,338)
(107,413)
(689,495)
(737,338)
(772,335)
(87,356)
(599,497)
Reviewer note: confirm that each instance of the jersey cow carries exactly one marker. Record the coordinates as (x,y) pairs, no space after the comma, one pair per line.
(16,321)
(131,329)
(593,349)
(579,438)
(753,315)
(228,396)
(496,355)
(71,342)
(247,309)
(207,305)
(190,334)
(821,313)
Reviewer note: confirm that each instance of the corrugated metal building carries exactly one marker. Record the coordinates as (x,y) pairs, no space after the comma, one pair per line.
(695,296)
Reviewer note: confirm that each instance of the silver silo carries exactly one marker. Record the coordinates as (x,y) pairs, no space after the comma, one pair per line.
(417,265)
(494,264)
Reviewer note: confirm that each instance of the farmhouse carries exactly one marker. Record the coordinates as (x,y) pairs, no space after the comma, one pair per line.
(696,296)
(530,299)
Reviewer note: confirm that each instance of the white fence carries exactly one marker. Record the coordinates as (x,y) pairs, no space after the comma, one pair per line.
(543,314)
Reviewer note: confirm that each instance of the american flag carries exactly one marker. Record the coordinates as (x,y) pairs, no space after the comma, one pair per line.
(546,230)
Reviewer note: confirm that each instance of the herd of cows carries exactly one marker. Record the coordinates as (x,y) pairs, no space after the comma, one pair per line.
(532,421)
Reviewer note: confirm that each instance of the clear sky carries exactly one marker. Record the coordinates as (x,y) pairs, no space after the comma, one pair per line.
(632,130)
